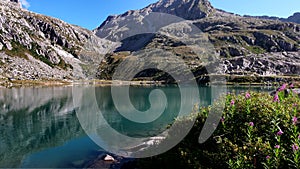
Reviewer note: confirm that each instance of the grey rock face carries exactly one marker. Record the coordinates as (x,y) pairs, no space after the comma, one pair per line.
(268,64)
(13,2)
(186,9)
(44,47)
(30,69)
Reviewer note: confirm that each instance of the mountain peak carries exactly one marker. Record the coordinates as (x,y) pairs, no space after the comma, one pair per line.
(187,9)
(294,18)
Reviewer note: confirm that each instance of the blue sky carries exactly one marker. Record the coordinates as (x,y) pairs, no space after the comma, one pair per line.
(91,13)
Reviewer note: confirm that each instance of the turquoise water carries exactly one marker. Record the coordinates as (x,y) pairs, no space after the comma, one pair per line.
(39,126)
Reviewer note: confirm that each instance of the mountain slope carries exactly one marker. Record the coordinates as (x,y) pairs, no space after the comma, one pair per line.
(34,46)
(232,36)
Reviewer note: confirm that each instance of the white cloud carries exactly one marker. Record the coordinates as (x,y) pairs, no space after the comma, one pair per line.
(25,3)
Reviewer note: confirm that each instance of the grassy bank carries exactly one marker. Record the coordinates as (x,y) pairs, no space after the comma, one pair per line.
(28,83)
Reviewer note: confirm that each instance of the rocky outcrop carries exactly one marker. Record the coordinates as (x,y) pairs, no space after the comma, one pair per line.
(15,2)
(34,46)
(17,68)
(269,64)
(238,36)
(187,9)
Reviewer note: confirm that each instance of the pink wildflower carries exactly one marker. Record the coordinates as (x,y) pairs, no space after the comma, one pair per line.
(292,85)
(251,124)
(283,87)
(280,132)
(222,119)
(276,98)
(295,147)
(247,95)
(232,102)
(295,120)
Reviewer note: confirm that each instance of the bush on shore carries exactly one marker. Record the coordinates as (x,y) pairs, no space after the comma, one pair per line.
(256,130)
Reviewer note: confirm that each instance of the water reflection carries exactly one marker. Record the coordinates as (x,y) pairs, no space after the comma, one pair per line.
(38,120)
(139,99)
(33,119)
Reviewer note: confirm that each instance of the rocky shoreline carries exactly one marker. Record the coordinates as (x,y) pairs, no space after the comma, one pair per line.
(203,80)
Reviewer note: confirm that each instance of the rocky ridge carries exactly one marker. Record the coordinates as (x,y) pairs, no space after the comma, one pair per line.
(232,36)
(293,18)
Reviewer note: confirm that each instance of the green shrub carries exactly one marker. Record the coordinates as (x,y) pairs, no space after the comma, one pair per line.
(62,64)
(257,130)
(17,50)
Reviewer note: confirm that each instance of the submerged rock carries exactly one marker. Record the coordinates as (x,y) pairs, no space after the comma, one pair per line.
(110,162)
(108,158)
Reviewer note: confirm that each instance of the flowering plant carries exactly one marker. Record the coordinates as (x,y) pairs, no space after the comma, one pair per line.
(257,130)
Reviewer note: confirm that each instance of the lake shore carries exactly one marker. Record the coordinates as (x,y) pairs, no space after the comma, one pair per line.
(226,79)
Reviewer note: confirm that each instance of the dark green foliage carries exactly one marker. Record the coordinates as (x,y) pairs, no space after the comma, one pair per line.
(255,49)
(245,138)
(39,57)
(18,50)
(62,64)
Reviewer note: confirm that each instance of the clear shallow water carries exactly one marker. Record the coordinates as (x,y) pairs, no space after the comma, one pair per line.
(39,126)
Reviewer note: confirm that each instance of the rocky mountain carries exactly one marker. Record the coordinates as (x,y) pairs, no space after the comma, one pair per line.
(186,9)
(34,46)
(293,18)
(260,42)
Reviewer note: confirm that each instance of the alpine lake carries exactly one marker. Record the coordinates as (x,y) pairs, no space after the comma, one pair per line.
(39,126)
